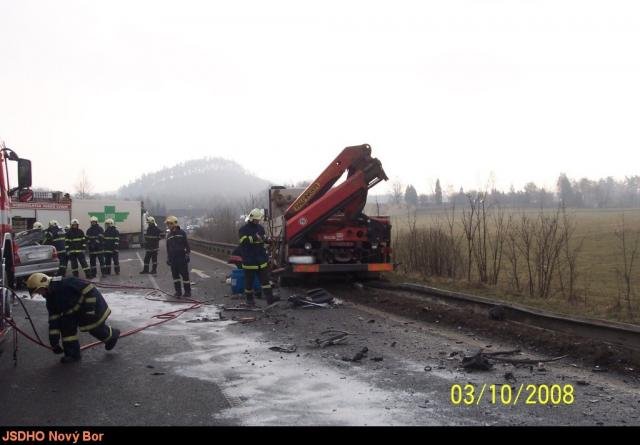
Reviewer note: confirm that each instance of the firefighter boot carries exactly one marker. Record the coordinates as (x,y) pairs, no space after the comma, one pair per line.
(268,292)
(117,268)
(154,269)
(249,298)
(111,343)
(70,359)
(176,285)
(145,269)
(187,289)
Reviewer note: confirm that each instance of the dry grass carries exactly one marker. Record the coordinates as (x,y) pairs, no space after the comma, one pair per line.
(598,287)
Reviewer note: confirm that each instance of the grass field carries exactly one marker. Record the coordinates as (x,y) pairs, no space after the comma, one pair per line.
(598,284)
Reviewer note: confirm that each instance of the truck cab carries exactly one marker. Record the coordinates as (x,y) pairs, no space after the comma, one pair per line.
(6,233)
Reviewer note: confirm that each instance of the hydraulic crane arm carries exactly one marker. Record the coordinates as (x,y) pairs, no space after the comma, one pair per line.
(353,159)
(320,201)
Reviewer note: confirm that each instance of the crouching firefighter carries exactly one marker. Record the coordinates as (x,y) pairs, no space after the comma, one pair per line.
(178,256)
(73,303)
(254,257)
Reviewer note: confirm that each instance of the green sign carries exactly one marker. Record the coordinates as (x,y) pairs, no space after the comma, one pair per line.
(110,212)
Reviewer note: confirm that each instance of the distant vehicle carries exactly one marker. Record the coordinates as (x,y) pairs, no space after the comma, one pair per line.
(126,214)
(31,256)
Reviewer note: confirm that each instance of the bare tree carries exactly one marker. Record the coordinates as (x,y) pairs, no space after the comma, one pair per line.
(628,244)
(568,272)
(396,192)
(83,186)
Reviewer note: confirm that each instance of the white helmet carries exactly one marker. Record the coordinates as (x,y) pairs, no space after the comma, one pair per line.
(109,221)
(255,214)
(67,227)
(53,223)
(151,220)
(93,219)
(75,222)
(37,225)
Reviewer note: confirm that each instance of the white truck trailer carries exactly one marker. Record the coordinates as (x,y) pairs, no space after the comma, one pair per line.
(45,206)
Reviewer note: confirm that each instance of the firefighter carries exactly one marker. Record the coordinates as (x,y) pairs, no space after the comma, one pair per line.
(95,237)
(151,243)
(38,226)
(56,237)
(76,244)
(111,244)
(73,303)
(254,257)
(178,257)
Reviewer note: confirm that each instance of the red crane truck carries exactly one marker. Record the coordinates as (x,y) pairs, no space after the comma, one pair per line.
(322,229)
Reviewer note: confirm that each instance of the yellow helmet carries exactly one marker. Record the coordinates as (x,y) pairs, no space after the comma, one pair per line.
(109,221)
(257,214)
(93,219)
(37,281)
(171,220)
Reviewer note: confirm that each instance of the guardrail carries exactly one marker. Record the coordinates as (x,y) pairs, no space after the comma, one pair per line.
(216,249)
(624,334)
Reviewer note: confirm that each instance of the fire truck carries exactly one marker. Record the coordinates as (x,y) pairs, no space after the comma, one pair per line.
(24,193)
(322,229)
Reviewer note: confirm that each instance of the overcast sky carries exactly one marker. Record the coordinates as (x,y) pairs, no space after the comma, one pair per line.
(460,90)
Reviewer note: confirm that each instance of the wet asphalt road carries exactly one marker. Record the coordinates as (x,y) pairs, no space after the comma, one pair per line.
(223,373)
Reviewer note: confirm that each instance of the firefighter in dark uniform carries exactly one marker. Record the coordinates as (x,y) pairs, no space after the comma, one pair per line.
(55,236)
(151,246)
(76,244)
(178,256)
(95,240)
(254,257)
(110,247)
(73,303)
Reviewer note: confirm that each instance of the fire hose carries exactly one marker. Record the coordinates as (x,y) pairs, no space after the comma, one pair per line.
(162,318)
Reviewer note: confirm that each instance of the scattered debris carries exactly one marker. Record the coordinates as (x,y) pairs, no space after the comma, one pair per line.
(477,361)
(246,319)
(428,368)
(371,321)
(393,345)
(136,404)
(358,285)
(358,356)
(337,338)
(242,308)
(598,368)
(377,359)
(157,373)
(204,320)
(150,366)
(509,377)
(582,382)
(284,348)
(315,298)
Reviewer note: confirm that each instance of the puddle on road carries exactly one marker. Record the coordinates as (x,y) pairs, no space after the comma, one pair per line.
(272,388)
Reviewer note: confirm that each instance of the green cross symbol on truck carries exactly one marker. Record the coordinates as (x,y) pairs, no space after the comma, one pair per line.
(110,212)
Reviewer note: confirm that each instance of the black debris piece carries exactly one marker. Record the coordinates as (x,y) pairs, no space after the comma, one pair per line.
(284,348)
(477,361)
(498,313)
(358,356)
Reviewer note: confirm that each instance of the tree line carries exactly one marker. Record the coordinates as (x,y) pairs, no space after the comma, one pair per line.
(584,193)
